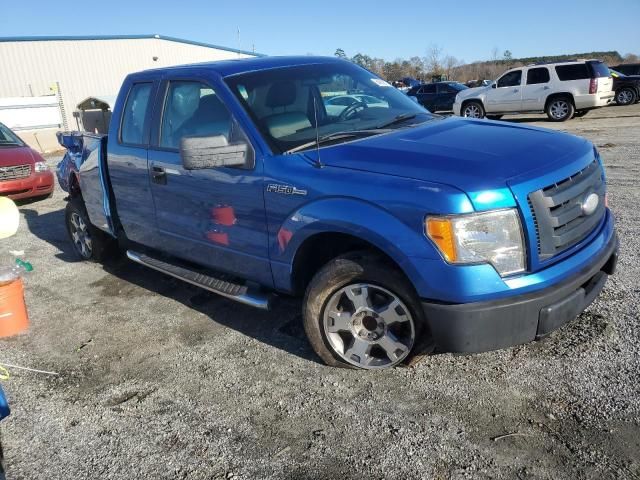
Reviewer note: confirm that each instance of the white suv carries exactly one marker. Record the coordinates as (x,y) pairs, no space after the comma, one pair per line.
(561,90)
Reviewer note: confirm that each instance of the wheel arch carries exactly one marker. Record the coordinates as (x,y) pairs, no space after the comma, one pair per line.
(555,95)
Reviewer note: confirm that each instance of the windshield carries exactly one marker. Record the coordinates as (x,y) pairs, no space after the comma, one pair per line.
(7,137)
(284,103)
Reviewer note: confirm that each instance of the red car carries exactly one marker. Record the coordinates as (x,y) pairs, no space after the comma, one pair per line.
(23,171)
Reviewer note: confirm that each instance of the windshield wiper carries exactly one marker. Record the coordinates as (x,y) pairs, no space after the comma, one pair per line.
(333,136)
(398,119)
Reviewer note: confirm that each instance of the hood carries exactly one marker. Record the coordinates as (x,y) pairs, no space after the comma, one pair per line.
(471,155)
(470,92)
(11,156)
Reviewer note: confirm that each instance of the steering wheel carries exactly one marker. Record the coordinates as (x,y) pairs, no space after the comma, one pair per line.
(351,110)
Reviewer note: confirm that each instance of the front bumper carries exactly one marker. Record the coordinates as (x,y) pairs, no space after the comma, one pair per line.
(36,185)
(491,325)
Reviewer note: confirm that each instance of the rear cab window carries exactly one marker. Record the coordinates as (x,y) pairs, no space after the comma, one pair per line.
(135,118)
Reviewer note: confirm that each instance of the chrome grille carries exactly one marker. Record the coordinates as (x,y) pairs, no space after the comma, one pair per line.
(15,173)
(559,218)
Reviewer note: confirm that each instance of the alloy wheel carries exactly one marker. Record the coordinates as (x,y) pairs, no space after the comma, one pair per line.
(368,326)
(559,109)
(625,97)
(80,236)
(472,111)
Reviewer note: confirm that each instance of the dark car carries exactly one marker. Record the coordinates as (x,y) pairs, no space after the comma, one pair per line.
(438,96)
(627,87)
(628,68)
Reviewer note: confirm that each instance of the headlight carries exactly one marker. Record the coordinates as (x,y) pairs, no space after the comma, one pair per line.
(41,167)
(491,237)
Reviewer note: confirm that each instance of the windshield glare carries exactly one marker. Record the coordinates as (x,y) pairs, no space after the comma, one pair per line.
(7,137)
(285,102)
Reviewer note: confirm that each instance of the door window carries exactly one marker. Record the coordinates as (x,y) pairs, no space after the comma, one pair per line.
(134,116)
(537,75)
(511,79)
(429,89)
(192,109)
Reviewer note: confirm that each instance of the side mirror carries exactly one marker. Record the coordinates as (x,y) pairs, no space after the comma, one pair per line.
(494,85)
(198,153)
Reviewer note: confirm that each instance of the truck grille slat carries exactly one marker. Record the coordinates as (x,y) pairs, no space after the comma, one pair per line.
(560,222)
(14,172)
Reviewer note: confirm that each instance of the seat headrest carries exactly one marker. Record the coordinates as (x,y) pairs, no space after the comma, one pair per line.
(281,94)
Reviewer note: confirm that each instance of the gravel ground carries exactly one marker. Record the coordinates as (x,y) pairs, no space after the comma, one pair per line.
(160,380)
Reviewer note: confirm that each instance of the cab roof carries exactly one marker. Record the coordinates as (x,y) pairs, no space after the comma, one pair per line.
(225,68)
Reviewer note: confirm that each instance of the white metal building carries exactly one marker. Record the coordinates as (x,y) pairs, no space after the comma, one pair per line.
(75,68)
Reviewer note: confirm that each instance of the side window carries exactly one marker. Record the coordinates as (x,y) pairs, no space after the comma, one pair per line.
(511,79)
(445,88)
(537,75)
(429,89)
(192,109)
(577,71)
(134,114)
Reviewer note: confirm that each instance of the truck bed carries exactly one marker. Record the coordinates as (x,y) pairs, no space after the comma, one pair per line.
(86,163)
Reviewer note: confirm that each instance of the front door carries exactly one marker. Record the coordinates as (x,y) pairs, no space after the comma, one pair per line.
(213,216)
(506,94)
(536,89)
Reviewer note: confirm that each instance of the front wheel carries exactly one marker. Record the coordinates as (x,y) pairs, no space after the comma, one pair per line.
(560,109)
(625,96)
(360,312)
(89,243)
(473,110)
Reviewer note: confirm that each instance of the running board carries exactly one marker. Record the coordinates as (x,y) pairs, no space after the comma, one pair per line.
(221,286)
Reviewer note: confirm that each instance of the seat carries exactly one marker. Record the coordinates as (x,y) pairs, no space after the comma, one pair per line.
(210,118)
(282,95)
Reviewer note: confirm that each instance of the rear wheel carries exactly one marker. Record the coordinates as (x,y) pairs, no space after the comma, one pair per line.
(625,96)
(473,110)
(361,312)
(89,243)
(560,109)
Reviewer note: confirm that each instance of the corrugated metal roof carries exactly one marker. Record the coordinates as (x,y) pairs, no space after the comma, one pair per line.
(123,37)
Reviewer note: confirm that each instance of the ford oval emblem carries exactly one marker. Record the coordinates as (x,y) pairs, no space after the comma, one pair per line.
(590,204)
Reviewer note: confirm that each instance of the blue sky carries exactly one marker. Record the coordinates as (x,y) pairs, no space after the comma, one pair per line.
(468,30)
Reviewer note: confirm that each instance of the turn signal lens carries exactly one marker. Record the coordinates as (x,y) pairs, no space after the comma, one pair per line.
(440,230)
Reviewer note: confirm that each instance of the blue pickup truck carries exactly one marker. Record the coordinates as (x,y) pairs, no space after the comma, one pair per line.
(404,231)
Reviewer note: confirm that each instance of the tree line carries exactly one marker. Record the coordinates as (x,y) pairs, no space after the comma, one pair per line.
(436,64)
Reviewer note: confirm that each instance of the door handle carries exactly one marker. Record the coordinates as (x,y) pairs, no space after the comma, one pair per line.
(515,90)
(158,175)
(546,88)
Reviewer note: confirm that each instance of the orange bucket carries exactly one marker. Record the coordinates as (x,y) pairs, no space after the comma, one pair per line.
(13,310)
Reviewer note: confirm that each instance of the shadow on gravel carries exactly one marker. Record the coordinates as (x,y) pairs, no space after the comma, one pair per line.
(281,327)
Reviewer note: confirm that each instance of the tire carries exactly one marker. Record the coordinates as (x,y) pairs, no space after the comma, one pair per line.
(625,96)
(473,109)
(580,113)
(560,109)
(89,243)
(348,314)
(494,117)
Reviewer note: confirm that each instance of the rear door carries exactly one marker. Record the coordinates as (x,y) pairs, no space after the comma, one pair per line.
(127,159)
(446,96)
(214,217)
(506,94)
(427,96)
(536,88)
